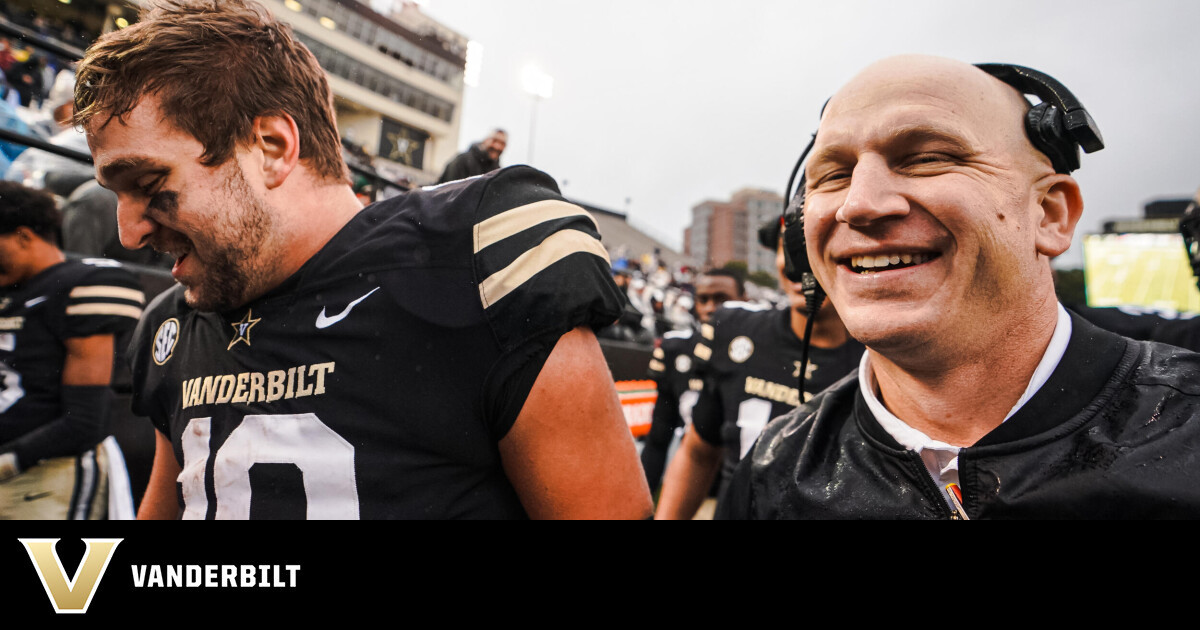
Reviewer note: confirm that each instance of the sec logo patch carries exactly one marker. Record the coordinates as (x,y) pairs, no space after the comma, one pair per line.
(164,340)
(740,349)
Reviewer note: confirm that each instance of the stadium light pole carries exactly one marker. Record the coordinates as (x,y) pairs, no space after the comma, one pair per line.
(541,86)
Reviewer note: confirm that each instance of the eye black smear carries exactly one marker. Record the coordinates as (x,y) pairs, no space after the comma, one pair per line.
(166,202)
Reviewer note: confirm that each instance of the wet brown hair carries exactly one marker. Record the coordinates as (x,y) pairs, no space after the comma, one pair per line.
(215,66)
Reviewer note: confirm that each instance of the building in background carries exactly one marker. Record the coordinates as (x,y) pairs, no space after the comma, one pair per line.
(397,80)
(725,231)
(396,75)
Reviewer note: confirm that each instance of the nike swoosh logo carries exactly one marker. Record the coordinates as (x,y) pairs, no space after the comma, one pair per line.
(35,497)
(35,301)
(326,322)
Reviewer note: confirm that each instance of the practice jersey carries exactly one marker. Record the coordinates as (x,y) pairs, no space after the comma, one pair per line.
(671,368)
(750,359)
(70,299)
(377,381)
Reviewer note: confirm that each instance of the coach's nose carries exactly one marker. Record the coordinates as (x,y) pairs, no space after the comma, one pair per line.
(873,194)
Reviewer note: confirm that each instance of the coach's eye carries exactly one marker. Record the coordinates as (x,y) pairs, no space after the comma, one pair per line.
(922,159)
(832,178)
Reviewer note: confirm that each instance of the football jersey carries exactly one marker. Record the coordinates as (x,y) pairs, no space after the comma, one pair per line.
(750,360)
(678,390)
(377,381)
(70,299)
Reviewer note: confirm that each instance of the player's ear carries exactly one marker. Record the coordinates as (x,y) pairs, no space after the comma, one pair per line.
(24,236)
(279,139)
(1061,206)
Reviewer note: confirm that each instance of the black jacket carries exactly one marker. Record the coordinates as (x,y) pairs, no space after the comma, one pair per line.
(474,161)
(1114,433)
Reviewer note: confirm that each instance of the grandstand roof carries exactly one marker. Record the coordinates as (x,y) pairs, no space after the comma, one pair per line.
(615,231)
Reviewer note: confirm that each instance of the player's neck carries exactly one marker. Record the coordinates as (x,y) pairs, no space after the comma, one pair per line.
(828,331)
(960,398)
(316,212)
(42,257)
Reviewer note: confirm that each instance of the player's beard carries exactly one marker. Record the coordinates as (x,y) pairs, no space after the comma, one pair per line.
(236,252)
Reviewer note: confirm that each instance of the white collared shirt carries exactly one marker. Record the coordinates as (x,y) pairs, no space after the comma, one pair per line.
(941,459)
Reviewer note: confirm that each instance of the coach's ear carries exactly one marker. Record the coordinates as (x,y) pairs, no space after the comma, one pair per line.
(278,138)
(1061,206)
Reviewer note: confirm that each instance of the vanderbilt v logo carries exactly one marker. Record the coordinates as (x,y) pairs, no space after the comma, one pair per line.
(72,596)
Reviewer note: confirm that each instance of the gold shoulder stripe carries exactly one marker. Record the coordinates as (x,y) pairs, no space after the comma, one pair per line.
(123,293)
(702,351)
(556,247)
(104,308)
(522,218)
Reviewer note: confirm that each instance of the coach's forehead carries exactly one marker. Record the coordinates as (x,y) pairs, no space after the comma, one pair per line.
(913,88)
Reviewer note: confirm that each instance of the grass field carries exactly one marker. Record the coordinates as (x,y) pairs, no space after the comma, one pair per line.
(1149,270)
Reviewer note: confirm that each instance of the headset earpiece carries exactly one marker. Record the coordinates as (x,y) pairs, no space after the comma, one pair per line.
(795,249)
(1044,128)
(1058,126)
(796,255)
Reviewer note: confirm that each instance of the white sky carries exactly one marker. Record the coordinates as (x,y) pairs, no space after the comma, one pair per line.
(671,102)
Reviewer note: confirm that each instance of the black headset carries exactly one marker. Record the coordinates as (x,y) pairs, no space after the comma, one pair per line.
(1058,126)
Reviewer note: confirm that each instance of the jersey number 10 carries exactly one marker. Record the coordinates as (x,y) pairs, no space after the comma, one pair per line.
(324,458)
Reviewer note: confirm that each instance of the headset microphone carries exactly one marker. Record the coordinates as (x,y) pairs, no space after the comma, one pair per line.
(796,266)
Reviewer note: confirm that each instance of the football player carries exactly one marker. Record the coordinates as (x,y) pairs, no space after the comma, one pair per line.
(58,323)
(430,356)
(749,357)
(671,369)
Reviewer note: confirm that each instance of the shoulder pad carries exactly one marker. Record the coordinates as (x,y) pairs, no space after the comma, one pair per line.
(101,299)
(538,259)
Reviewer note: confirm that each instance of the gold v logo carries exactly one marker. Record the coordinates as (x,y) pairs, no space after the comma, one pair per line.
(75,595)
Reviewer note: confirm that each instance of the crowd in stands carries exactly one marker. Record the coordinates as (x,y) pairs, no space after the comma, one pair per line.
(28,73)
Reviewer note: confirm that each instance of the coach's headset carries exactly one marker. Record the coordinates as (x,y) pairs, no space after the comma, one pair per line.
(1058,126)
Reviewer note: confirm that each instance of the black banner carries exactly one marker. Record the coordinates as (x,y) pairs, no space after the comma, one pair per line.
(400,143)
(278,571)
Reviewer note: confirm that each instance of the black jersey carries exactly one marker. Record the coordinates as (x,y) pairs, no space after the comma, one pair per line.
(377,381)
(678,390)
(750,359)
(70,299)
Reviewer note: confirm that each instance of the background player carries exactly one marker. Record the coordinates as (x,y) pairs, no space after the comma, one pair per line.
(428,357)
(751,356)
(671,369)
(58,323)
